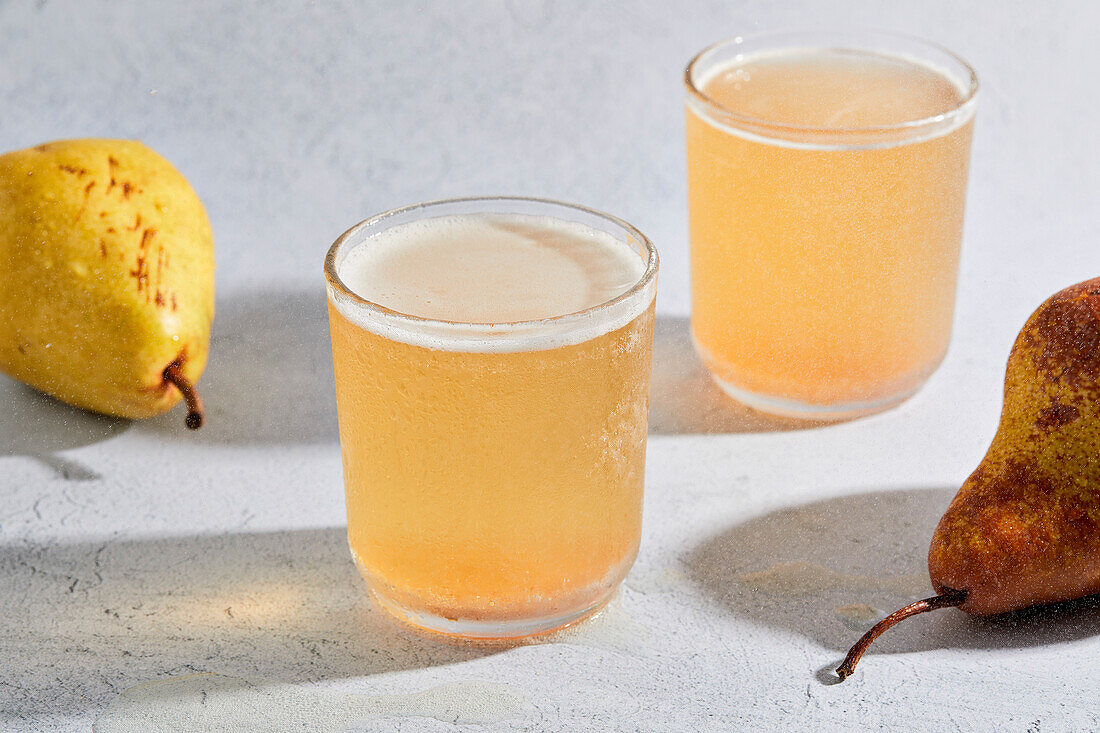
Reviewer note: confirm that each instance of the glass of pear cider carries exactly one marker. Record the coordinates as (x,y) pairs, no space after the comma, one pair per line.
(826,182)
(492,364)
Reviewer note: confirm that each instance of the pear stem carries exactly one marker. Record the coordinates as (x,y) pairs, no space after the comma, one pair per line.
(195,413)
(947,599)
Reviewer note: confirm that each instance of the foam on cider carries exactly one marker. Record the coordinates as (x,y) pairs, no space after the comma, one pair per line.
(833,88)
(490,268)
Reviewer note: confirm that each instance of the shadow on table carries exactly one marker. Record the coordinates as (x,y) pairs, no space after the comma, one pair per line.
(35,425)
(278,606)
(268,380)
(269,377)
(831,569)
(684,399)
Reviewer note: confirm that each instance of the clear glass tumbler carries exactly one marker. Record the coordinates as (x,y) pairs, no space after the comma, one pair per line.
(494,471)
(826,185)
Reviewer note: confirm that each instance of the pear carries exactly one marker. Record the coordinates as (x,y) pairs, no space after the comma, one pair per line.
(107,286)
(1024,528)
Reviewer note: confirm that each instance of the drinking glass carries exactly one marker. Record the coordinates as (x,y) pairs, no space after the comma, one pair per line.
(826,184)
(493,472)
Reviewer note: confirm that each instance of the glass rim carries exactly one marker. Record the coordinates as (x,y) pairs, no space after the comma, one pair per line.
(966,100)
(499,328)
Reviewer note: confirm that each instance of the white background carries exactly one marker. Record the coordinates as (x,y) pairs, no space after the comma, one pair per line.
(135,552)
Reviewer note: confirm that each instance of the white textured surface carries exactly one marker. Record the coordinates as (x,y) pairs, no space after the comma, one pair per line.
(136,552)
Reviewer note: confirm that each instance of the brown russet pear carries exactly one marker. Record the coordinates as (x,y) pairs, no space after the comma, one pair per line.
(107,285)
(1024,529)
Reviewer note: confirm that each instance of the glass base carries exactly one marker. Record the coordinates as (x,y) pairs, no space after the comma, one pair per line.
(784,407)
(490,630)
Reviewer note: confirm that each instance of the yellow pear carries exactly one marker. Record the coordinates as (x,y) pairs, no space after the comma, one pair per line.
(106,277)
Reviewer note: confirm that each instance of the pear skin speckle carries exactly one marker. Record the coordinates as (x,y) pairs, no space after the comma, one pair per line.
(108,257)
(1024,528)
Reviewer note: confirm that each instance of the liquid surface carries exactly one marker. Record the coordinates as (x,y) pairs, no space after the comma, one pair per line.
(491,268)
(832,88)
(493,488)
(825,276)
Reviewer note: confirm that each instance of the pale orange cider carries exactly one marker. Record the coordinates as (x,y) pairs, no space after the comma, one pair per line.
(824,225)
(493,473)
